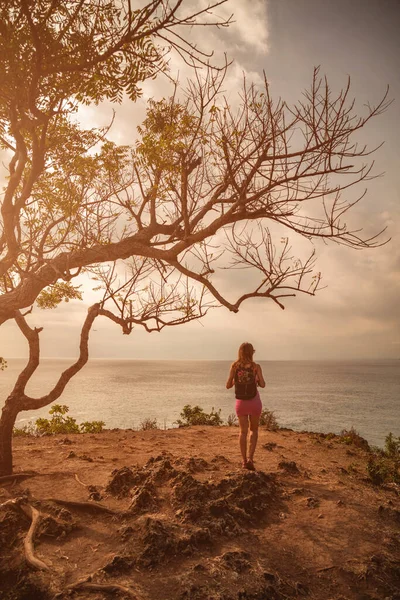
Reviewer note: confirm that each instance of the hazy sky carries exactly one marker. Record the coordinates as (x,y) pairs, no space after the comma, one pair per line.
(358,315)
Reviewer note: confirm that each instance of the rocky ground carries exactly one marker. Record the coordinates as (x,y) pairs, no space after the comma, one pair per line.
(159,515)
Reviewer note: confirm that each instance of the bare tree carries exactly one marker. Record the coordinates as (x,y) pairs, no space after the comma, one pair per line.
(205,187)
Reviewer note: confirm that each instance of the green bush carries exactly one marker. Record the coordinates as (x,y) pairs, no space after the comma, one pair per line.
(59,423)
(268,420)
(382,469)
(392,446)
(196,416)
(92,426)
(384,464)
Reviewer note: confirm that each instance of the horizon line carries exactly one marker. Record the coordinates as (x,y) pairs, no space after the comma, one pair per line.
(70,358)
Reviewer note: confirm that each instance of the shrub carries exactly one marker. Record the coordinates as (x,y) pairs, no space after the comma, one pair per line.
(196,416)
(59,423)
(351,436)
(392,446)
(268,420)
(232,420)
(25,431)
(148,424)
(384,463)
(382,470)
(92,426)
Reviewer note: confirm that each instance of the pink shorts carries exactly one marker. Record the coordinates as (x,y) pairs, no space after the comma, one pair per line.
(251,407)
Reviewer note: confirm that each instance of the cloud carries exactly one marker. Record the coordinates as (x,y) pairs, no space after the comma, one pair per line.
(249,30)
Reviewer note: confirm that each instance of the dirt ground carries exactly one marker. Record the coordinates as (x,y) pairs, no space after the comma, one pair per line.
(186,522)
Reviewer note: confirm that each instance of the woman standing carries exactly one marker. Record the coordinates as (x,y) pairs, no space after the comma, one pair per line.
(246,375)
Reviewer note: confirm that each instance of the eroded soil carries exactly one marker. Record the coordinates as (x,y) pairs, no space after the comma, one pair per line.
(172,515)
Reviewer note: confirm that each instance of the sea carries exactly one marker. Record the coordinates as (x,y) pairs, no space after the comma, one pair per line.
(321,396)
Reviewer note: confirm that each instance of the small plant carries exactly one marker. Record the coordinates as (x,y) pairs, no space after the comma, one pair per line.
(148,424)
(196,416)
(3,363)
(232,420)
(351,436)
(25,431)
(382,470)
(268,420)
(392,446)
(384,463)
(59,423)
(92,427)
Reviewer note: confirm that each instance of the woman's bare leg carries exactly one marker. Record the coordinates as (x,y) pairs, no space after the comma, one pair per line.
(244,427)
(254,421)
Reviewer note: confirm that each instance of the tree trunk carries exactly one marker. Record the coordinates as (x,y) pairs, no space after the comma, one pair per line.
(7,421)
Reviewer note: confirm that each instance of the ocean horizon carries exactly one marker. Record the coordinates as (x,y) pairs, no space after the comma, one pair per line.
(305,395)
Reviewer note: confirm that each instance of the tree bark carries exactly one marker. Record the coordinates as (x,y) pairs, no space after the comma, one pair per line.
(7,421)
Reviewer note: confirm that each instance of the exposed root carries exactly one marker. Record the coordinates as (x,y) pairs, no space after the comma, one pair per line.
(90,506)
(100,587)
(14,503)
(15,476)
(326,568)
(81,482)
(28,542)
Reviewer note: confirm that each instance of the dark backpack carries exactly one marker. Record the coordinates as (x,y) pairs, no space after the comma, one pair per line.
(245,383)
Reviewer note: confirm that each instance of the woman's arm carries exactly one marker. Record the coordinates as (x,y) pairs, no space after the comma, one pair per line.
(260,378)
(231,377)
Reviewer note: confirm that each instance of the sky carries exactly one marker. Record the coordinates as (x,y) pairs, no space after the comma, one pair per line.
(357,315)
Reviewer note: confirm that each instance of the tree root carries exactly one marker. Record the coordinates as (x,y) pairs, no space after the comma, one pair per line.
(81,482)
(15,476)
(86,584)
(326,568)
(90,506)
(101,587)
(28,541)
(14,503)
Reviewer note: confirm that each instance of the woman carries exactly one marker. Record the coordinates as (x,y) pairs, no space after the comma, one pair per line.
(246,375)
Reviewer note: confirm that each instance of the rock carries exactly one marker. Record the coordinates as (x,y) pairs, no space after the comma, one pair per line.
(54,526)
(270,446)
(312,502)
(236,561)
(86,457)
(288,466)
(65,441)
(119,564)
(122,480)
(94,493)
(143,499)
